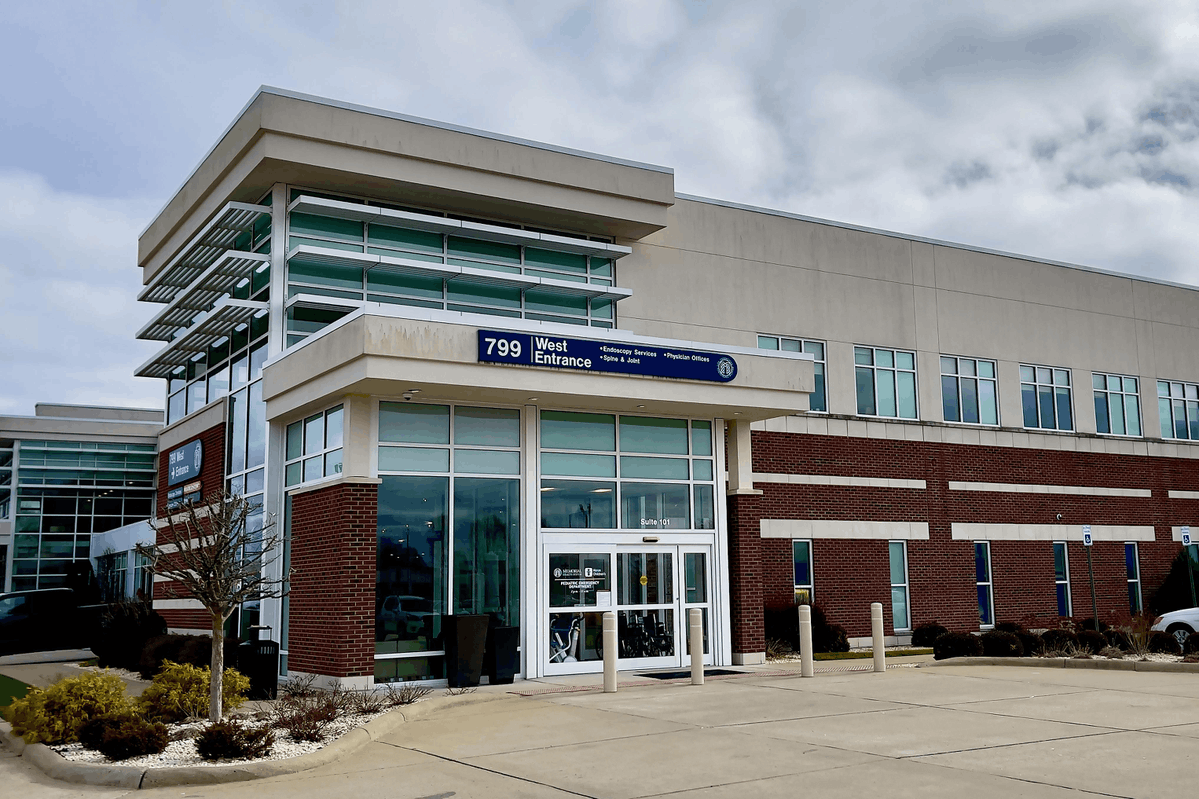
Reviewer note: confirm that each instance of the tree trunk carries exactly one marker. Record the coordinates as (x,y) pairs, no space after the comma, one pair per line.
(218,667)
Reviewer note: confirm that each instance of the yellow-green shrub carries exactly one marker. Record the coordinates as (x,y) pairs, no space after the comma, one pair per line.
(54,715)
(180,691)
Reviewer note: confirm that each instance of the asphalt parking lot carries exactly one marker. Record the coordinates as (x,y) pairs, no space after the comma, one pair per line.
(979,731)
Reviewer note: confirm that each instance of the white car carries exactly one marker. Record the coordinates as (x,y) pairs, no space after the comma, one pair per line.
(1179,623)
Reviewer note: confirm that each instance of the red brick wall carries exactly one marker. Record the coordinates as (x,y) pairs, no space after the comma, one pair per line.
(849,575)
(212,480)
(331,627)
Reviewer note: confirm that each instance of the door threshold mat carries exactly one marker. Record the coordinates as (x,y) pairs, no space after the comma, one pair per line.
(678,675)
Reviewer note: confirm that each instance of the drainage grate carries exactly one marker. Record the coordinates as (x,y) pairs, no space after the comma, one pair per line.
(678,675)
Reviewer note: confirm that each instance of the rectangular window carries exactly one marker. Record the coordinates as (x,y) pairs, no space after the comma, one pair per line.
(818,400)
(900,608)
(1061,578)
(982,580)
(600,471)
(886,382)
(969,391)
(313,447)
(1117,404)
(1045,395)
(1132,567)
(802,557)
(1178,407)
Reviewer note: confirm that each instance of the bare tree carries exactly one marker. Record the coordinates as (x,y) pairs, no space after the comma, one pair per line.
(215,549)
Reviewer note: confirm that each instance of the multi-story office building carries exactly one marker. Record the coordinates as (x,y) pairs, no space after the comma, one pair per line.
(475,374)
(67,473)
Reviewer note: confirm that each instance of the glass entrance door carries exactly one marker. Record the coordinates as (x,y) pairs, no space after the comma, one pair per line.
(650,588)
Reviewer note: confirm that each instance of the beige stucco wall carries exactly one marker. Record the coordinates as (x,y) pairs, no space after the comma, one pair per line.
(728,274)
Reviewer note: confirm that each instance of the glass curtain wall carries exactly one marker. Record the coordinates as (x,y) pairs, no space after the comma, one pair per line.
(67,490)
(448,532)
(399,286)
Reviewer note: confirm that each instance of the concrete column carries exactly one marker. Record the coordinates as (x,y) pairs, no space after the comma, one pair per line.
(696,626)
(356,436)
(609,652)
(806,667)
(876,632)
(740,458)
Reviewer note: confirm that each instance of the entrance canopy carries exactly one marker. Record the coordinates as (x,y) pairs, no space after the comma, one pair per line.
(387,350)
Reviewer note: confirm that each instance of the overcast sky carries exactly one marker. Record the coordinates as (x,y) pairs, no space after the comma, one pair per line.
(1066,130)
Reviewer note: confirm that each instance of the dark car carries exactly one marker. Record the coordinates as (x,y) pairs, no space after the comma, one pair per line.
(37,621)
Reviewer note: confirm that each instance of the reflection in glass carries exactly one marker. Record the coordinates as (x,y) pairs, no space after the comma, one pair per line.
(410,582)
(645,633)
(487,427)
(655,506)
(487,548)
(655,436)
(587,431)
(414,424)
(645,578)
(576,637)
(578,504)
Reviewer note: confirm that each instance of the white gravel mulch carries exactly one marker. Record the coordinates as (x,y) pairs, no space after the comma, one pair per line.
(183,752)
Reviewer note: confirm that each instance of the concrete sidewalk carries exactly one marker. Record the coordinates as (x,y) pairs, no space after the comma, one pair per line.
(981,731)
(41,669)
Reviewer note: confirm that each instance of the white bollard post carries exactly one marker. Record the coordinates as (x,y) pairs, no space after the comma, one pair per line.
(696,626)
(609,652)
(876,631)
(806,667)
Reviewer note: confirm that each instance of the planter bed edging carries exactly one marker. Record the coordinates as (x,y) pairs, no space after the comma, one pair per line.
(1070,663)
(58,767)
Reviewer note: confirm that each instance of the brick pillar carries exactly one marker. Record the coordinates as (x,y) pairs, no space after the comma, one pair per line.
(331,623)
(746,578)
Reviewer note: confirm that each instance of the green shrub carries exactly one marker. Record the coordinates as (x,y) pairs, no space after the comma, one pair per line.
(782,623)
(1031,642)
(1191,645)
(1010,627)
(956,645)
(91,732)
(193,649)
(125,627)
(180,691)
(998,644)
(230,739)
(133,737)
(1163,643)
(927,634)
(1058,642)
(56,714)
(1094,642)
(1118,639)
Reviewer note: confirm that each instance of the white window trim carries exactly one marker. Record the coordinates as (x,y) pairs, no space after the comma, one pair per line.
(1069,387)
(1170,400)
(907,587)
(990,584)
(802,341)
(322,453)
(995,380)
(811,585)
(1057,582)
(1140,404)
(874,367)
(1136,556)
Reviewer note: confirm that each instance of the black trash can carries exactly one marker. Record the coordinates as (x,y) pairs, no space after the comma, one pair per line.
(501,659)
(259,660)
(465,637)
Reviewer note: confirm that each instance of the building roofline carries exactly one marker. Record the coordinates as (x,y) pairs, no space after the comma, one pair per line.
(97,407)
(935,242)
(364,109)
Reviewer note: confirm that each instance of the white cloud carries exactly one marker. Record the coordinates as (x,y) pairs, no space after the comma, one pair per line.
(1067,130)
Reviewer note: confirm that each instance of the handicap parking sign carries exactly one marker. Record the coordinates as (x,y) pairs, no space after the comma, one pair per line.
(1186,536)
(1086,535)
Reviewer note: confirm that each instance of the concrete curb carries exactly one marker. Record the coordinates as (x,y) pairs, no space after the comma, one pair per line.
(1070,663)
(57,767)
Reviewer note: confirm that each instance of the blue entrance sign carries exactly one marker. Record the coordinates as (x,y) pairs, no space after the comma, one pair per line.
(586,355)
(183,464)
